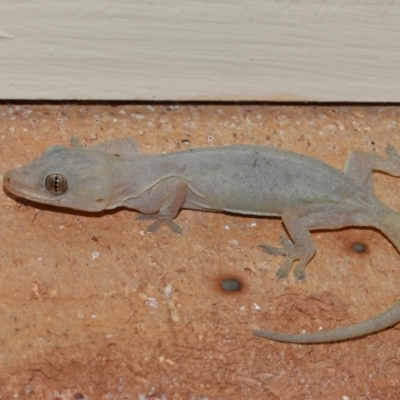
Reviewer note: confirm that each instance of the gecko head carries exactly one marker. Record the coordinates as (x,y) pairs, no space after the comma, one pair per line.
(72,178)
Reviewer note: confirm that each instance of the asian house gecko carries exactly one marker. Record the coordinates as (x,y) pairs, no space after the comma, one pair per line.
(252,180)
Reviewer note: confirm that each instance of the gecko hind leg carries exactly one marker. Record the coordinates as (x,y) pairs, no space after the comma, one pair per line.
(360,166)
(300,220)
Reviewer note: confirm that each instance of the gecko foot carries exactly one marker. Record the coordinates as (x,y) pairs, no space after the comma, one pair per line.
(287,249)
(391,151)
(158,223)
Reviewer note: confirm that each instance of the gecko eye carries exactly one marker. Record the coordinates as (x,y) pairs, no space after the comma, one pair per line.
(56,184)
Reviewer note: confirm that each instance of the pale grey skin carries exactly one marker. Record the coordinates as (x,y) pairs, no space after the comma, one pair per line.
(253,180)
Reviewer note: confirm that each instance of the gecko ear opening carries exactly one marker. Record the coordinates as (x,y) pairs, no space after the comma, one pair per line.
(56,184)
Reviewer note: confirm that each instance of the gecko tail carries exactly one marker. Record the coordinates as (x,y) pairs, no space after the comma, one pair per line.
(385,319)
(390,226)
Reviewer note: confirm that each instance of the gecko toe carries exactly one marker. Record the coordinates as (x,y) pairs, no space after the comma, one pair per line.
(283,271)
(174,227)
(299,273)
(153,227)
(285,250)
(273,251)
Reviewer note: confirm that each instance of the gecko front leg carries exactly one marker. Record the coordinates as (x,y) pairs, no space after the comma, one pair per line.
(161,202)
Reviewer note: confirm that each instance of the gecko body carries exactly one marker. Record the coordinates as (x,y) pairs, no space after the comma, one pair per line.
(306,193)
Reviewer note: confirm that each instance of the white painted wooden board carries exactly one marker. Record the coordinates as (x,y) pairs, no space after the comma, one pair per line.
(286,50)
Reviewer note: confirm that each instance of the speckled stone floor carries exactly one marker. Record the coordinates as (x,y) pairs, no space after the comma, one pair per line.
(93,308)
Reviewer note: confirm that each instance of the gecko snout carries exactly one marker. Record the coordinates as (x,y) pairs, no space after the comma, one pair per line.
(11,182)
(7,179)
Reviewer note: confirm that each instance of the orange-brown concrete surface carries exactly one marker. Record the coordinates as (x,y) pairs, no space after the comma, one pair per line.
(93,308)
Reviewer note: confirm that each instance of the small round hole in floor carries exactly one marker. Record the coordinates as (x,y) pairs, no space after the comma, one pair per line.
(358,247)
(230,285)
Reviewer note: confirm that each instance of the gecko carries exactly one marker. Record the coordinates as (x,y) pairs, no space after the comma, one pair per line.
(307,194)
